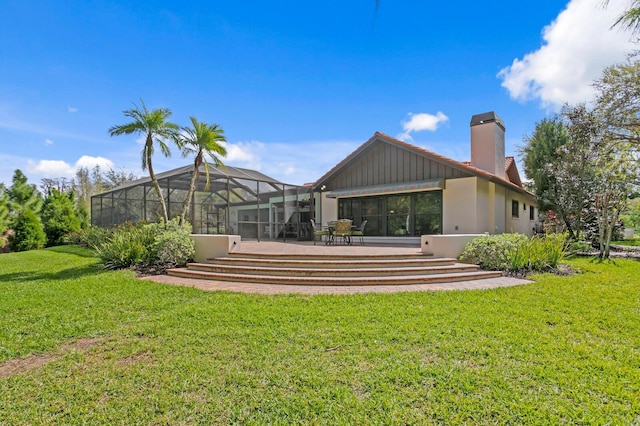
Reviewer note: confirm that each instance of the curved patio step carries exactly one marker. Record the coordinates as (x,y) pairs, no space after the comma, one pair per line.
(336,280)
(356,269)
(328,256)
(333,262)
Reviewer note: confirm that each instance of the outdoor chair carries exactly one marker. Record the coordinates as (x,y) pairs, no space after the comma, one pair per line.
(343,230)
(318,232)
(360,232)
(331,225)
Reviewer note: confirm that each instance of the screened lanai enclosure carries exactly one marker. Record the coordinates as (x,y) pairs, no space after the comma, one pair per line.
(238,201)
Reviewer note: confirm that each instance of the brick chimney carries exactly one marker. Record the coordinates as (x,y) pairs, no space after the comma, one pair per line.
(487,143)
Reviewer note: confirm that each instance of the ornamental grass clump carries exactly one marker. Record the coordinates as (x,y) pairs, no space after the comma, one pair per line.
(516,253)
(152,247)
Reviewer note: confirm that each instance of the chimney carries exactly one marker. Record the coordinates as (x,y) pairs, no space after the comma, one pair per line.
(487,143)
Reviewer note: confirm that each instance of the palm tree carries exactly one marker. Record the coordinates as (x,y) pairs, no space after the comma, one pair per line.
(155,128)
(197,141)
(630,18)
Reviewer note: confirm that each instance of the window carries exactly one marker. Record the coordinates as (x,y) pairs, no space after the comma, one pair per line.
(515,211)
(531,213)
(396,214)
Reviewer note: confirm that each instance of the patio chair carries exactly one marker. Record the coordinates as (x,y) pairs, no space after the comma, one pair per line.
(343,229)
(331,225)
(318,232)
(360,232)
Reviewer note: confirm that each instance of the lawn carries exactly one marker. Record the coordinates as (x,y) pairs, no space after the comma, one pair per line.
(79,345)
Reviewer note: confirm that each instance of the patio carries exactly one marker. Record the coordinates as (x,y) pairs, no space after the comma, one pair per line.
(301,249)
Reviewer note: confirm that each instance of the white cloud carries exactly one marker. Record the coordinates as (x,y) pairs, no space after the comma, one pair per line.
(293,163)
(577,46)
(50,168)
(90,162)
(245,154)
(288,169)
(72,109)
(48,142)
(59,168)
(420,122)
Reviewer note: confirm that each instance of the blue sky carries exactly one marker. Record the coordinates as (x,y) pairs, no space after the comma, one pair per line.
(295,85)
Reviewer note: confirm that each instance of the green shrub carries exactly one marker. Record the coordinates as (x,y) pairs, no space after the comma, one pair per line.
(28,233)
(172,246)
(126,246)
(516,253)
(493,251)
(93,236)
(59,217)
(150,247)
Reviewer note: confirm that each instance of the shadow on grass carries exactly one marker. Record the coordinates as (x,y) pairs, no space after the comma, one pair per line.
(74,250)
(602,260)
(65,274)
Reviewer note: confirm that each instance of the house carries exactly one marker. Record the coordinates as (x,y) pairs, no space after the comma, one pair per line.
(401,190)
(404,191)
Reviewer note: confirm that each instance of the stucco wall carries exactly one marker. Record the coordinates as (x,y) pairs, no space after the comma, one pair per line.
(475,206)
(459,206)
(521,224)
(328,209)
(485,206)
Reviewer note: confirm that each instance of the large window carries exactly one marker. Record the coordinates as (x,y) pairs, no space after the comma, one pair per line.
(396,215)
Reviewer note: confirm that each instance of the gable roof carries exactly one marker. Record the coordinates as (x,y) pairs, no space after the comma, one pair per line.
(512,180)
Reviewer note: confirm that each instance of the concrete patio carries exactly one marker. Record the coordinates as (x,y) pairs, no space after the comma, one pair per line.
(297,248)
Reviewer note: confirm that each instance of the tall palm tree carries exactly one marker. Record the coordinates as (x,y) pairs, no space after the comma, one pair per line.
(630,18)
(156,129)
(200,141)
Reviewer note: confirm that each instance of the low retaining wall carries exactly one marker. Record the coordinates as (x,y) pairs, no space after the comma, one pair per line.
(208,245)
(446,245)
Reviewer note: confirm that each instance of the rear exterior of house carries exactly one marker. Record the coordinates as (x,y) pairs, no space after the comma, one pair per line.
(404,191)
(401,190)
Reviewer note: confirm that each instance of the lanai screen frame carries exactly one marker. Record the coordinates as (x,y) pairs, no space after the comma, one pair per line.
(238,201)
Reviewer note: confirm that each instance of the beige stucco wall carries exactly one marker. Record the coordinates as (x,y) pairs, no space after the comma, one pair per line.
(328,209)
(459,206)
(477,206)
(521,224)
(209,246)
(499,223)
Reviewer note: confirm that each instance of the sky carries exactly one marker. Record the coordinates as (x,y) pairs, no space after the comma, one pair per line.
(296,86)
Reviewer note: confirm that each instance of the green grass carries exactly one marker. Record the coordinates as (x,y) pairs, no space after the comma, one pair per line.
(561,350)
(629,242)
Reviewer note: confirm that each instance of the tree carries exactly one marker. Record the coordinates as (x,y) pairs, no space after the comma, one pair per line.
(62,184)
(630,18)
(27,232)
(23,195)
(155,128)
(114,178)
(541,149)
(618,101)
(4,210)
(559,171)
(612,190)
(200,141)
(59,216)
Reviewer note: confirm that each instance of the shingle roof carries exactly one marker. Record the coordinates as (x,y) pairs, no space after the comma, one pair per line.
(513,180)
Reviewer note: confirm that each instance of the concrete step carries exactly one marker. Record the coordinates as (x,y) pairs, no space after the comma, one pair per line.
(354,269)
(328,256)
(334,262)
(336,280)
